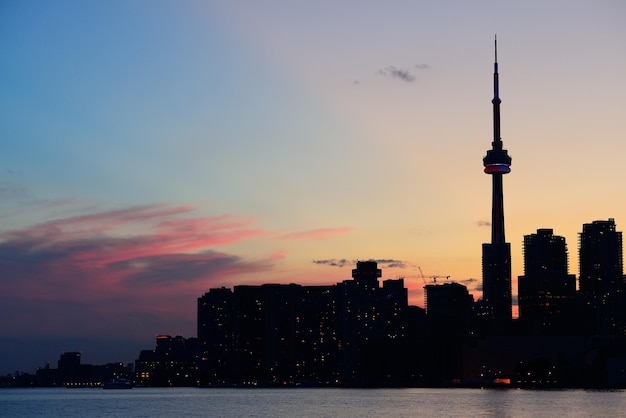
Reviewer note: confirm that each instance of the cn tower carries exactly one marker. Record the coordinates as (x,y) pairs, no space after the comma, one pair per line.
(497,254)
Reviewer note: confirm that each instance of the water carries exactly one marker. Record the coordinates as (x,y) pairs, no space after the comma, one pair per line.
(194,402)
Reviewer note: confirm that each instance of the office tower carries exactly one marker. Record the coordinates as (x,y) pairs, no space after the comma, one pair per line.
(370,315)
(361,316)
(318,330)
(285,333)
(546,291)
(395,308)
(497,254)
(173,362)
(71,371)
(601,268)
(449,305)
(370,312)
(215,335)
(69,361)
(272,332)
(601,281)
(366,274)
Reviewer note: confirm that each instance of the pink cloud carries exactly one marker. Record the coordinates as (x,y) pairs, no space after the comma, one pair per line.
(91,263)
(278,255)
(128,272)
(317,234)
(94,240)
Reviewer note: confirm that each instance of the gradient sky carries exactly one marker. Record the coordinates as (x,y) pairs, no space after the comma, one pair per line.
(155,149)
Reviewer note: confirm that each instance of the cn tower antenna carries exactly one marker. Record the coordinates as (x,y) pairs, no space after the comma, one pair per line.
(495,44)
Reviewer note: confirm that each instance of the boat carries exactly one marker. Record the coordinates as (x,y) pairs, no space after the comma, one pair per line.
(119,383)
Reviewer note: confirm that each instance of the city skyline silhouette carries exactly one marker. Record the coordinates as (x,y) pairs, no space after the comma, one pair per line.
(152,157)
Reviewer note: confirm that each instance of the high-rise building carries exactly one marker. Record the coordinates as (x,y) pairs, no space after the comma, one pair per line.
(367,314)
(449,306)
(215,334)
(173,362)
(601,263)
(546,291)
(601,281)
(286,333)
(496,263)
(272,332)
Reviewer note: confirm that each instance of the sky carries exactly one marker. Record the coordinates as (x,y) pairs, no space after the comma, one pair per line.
(153,150)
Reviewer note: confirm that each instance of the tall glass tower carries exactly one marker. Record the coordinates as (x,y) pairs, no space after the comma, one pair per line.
(547,292)
(601,262)
(602,278)
(497,254)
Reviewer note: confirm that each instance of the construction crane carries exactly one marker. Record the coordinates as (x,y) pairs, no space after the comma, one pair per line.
(424,277)
(439,277)
(422,274)
(434,277)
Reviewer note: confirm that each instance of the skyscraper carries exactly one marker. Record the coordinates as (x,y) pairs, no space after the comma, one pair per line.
(287,333)
(601,264)
(497,254)
(449,306)
(601,278)
(546,291)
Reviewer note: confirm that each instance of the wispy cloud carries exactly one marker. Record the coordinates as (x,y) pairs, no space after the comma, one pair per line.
(342,262)
(124,268)
(390,263)
(95,240)
(398,73)
(138,262)
(317,234)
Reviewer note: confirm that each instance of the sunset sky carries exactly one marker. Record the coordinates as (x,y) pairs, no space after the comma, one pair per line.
(152,150)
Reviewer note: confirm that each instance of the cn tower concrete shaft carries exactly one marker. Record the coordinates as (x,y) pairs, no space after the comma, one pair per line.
(497,254)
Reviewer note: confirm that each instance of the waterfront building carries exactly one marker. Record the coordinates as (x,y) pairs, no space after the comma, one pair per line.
(547,293)
(173,362)
(601,282)
(449,306)
(277,334)
(369,314)
(215,333)
(601,261)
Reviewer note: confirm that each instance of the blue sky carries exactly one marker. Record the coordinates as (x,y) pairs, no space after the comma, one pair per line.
(155,149)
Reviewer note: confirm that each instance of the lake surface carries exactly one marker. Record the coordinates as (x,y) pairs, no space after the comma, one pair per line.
(197,402)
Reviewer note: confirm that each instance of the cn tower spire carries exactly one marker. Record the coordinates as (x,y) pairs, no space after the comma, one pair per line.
(497,162)
(497,141)
(497,254)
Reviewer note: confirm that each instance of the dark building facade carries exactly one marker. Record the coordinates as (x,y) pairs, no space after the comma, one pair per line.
(281,332)
(173,362)
(270,333)
(369,315)
(496,260)
(215,330)
(276,334)
(601,260)
(71,373)
(601,282)
(70,370)
(450,304)
(547,292)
